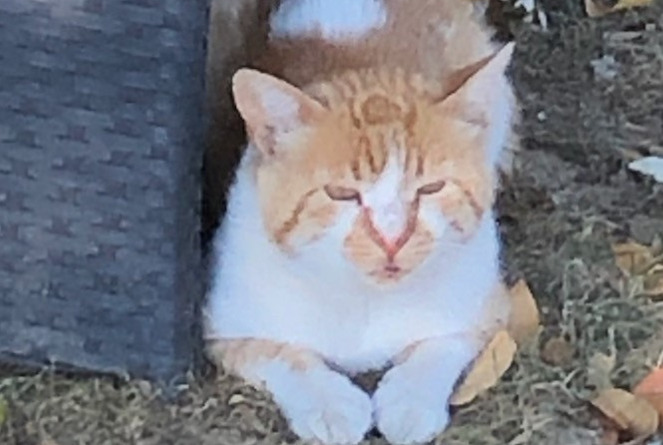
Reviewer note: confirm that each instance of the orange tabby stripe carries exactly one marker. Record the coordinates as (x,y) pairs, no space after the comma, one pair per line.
(476,208)
(235,355)
(392,249)
(289,225)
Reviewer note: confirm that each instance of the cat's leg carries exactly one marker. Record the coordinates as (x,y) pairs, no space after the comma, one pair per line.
(319,403)
(411,403)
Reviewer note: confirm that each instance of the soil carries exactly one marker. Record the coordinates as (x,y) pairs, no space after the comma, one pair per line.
(592,98)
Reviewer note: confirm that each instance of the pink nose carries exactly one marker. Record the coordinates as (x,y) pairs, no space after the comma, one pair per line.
(391,246)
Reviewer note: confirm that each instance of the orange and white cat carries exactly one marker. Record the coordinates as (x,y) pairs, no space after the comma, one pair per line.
(359,232)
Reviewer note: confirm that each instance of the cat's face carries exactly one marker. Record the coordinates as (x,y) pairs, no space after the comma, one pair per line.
(378,169)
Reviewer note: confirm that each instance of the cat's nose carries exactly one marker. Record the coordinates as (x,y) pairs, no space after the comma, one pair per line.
(389,228)
(391,246)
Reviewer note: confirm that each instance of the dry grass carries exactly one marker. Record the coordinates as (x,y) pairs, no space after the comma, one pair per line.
(569,199)
(536,403)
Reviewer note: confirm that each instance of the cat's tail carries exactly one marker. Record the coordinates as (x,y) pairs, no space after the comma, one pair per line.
(329,19)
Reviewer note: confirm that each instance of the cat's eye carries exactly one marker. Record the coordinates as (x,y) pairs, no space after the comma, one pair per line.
(431,188)
(339,193)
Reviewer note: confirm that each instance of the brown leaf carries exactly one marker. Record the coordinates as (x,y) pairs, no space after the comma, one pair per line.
(653,282)
(631,257)
(651,384)
(650,388)
(609,436)
(487,369)
(629,412)
(656,401)
(637,260)
(524,319)
(557,351)
(597,8)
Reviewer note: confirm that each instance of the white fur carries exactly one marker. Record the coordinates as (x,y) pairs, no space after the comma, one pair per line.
(387,206)
(501,118)
(333,19)
(491,87)
(319,403)
(318,300)
(411,401)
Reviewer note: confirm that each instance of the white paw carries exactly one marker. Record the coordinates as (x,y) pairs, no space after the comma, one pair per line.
(326,407)
(408,411)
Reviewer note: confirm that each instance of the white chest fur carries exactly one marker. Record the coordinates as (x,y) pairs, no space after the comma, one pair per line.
(258,292)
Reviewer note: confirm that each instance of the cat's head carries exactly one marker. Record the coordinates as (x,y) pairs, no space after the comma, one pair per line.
(381,169)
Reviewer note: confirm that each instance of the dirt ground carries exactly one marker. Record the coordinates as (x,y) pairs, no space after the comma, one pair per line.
(592,94)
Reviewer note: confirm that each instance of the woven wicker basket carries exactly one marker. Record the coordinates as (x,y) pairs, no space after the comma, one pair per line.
(101,147)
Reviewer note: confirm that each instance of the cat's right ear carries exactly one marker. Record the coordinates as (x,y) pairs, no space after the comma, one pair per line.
(272,108)
(476,89)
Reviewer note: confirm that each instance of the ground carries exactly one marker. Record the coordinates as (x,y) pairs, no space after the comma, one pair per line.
(592,94)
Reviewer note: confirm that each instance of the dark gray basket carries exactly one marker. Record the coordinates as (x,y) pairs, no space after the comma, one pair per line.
(101,145)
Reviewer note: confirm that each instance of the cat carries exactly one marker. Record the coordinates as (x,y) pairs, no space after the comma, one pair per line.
(359,232)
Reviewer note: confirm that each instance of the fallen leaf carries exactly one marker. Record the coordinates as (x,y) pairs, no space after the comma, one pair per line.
(599,369)
(236,399)
(597,8)
(650,388)
(653,282)
(524,319)
(646,262)
(609,436)
(487,369)
(629,412)
(631,257)
(656,401)
(651,384)
(650,166)
(557,351)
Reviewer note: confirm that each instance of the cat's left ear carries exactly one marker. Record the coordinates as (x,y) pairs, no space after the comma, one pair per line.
(272,108)
(474,91)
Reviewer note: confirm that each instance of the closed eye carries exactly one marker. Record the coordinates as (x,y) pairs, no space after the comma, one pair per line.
(431,188)
(339,193)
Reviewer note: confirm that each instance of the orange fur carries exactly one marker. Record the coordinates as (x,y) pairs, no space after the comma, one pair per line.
(235,355)
(370,157)
(409,41)
(336,112)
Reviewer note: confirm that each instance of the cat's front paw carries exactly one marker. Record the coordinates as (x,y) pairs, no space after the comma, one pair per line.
(328,408)
(407,413)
